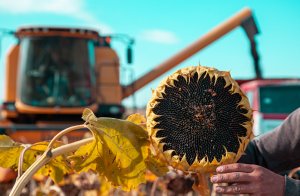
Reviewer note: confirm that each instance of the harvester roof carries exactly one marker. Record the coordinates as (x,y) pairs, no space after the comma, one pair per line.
(57,31)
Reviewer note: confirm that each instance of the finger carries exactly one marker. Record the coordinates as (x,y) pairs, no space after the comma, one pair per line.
(235,189)
(232,177)
(235,167)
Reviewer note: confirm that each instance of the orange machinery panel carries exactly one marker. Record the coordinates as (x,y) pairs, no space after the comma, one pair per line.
(109,90)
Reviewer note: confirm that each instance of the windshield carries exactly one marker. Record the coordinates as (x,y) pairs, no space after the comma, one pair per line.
(279,99)
(57,71)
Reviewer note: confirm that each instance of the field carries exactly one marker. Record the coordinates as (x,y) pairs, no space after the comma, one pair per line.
(90,184)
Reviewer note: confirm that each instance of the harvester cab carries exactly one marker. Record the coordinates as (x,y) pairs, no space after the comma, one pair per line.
(57,71)
(52,74)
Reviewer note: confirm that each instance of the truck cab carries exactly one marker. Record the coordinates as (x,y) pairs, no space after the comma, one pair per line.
(272,100)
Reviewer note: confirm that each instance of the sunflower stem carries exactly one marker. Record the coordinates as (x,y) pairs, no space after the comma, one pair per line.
(21,159)
(64,132)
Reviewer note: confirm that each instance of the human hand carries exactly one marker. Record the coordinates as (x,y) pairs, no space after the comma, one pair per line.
(248,179)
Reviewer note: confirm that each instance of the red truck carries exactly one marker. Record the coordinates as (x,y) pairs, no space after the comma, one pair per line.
(272,100)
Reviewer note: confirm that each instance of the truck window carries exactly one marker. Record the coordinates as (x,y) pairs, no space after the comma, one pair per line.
(281,99)
(249,95)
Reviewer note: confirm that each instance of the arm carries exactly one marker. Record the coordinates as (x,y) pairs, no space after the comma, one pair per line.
(278,151)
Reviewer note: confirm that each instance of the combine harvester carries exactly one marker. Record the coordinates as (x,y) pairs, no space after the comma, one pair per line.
(52,74)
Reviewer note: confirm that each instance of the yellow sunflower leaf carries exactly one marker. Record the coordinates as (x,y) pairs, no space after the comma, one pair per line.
(156,166)
(56,168)
(86,157)
(121,148)
(105,186)
(137,119)
(9,152)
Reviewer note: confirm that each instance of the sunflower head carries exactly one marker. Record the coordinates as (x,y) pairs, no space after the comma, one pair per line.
(198,118)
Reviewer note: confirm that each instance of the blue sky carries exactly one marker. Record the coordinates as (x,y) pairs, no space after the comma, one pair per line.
(161,28)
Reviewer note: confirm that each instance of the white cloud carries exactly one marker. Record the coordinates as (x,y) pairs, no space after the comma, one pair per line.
(72,8)
(159,36)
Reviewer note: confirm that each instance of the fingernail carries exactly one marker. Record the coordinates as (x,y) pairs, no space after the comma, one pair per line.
(219,169)
(219,189)
(214,179)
